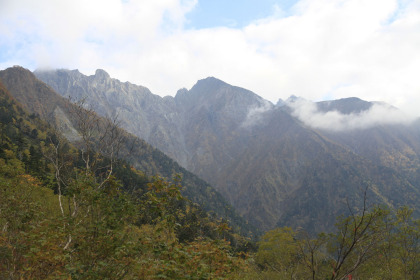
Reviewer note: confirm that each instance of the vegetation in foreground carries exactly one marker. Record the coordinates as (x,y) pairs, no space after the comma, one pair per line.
(376,244)
(64,213)
(77,214)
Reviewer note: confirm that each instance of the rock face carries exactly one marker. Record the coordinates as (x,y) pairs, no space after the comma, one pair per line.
(270,165)
(142,113)
(177,125)
(38,98)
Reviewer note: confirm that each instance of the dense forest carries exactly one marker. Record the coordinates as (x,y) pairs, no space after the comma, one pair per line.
(82,213)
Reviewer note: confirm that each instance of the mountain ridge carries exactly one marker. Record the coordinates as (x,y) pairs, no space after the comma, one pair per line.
(268,162)
(140,154)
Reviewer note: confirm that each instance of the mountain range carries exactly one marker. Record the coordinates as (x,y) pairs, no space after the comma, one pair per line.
(41,100)
(295,163)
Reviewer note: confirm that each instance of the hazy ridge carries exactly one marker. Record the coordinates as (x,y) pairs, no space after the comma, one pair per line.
(295,163)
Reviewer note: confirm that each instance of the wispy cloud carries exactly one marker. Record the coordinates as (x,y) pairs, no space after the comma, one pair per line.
(310,50)
(255,114)
(377,114)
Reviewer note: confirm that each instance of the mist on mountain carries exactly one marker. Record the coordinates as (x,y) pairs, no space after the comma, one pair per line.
(293,164)
(377,114)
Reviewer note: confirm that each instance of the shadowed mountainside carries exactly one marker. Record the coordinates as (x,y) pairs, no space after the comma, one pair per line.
(40,99)
(273,168)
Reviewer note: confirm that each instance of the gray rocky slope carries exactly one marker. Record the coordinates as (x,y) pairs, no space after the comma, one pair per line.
(271,166)
(38,98)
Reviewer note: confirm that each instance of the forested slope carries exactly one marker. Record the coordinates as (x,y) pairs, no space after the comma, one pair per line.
(39,99)
(61,218)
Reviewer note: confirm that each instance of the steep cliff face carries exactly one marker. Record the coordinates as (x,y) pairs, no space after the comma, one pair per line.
(189,128)
(142,113)
(292,175)
(274,167)
(214,115)
(38,98)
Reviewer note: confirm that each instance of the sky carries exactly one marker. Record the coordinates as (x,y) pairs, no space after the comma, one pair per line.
(315,49)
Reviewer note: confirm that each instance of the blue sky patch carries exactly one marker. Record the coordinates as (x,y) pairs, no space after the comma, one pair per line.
(233,13)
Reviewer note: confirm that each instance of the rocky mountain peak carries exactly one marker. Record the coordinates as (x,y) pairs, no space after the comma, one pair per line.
(293,99)
(280,103)
(101,74)
(345,105)
(74,72)
(208,85)
(17,72)
(202,92)
(210,81)
(181,91)
(271,166)
(21,81)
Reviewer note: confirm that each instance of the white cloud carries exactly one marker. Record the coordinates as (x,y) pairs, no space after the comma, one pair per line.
(255,114)
(319,49)
(106,28)
(378,114)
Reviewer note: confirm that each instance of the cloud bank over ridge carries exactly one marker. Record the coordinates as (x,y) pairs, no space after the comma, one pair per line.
(319,49)
(378,114)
